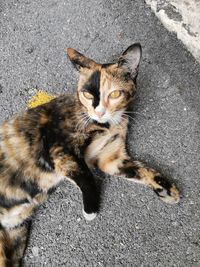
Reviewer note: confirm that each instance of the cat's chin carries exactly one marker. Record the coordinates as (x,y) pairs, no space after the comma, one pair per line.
(100,120)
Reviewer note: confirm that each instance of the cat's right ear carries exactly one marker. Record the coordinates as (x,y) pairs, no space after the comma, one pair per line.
(79,60)
(130,60)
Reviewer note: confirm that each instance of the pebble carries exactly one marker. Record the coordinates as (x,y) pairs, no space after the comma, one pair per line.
(35,251)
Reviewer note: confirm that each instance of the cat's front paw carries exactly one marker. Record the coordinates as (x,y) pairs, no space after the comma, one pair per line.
(91,206)
(89,216)
(167,191)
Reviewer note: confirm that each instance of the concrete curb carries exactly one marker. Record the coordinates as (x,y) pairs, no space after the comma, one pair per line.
(181,17)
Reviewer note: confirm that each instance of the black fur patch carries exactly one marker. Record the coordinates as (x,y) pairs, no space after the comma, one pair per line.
(52,134)
(127,76)
(44,161)
(27,134)
(85,180)
(9,253)
(112,139)
(106,65)
(30,187)
(11,202)
(88,141)
(16,178)
(93,87)
(104,125)
(129,170)
(29,137)
(51,190)
(164,183)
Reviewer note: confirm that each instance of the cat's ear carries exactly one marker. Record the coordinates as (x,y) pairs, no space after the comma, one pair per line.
(130,60)
(79,60)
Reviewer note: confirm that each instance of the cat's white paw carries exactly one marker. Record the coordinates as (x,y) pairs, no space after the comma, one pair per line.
(89,216)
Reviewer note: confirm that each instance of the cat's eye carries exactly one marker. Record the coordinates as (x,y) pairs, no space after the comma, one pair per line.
(87,95)
(115,94)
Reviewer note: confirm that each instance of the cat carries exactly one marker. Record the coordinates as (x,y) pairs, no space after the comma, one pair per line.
(64,139)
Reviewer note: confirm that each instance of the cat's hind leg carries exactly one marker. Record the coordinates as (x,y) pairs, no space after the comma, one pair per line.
(12,245)
(3,241)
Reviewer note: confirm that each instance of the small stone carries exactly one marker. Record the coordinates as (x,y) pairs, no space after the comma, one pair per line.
(175,223)
(121,35)
(32,91)
(29,50)
(35,251)
(189,250)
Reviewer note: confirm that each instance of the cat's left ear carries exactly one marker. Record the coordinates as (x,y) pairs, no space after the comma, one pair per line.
(79,60)
(130,60)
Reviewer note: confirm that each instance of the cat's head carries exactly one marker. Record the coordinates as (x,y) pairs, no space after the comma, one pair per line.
(105,90)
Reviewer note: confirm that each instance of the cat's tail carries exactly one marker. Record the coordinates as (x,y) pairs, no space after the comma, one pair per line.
(12,245)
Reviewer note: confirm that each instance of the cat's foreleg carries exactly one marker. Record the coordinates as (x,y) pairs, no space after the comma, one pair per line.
(114,160)
(76,170)
(85,181)
(139,172)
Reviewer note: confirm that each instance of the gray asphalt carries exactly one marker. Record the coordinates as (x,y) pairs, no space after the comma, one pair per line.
(134,228)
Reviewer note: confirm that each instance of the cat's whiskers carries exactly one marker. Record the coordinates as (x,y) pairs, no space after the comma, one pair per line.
(83,117)
(87,122)
(134,113)
(84,121)
(116,122)
(80,125)
(125,116)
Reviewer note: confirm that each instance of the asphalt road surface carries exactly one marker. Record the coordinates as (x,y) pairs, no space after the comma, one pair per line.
(133,228)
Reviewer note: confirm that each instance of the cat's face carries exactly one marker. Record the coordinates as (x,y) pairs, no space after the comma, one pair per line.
(105,90)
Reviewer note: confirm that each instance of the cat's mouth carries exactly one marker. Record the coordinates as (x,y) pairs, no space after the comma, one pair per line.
(114,118)
(101,120)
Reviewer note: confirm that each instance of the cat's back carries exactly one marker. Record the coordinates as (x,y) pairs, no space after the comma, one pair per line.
(13,150)
(21,136)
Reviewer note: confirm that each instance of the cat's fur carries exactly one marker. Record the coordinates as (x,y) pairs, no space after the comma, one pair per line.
(52,142)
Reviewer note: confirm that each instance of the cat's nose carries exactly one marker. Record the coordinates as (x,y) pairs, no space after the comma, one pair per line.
(100,113)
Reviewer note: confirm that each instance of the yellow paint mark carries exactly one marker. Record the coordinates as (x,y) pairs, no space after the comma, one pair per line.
(40,98)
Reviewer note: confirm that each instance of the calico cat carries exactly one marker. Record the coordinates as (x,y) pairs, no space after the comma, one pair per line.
(64,139)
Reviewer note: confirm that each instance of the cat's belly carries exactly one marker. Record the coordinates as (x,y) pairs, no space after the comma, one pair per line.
(95,147)
(103,145)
